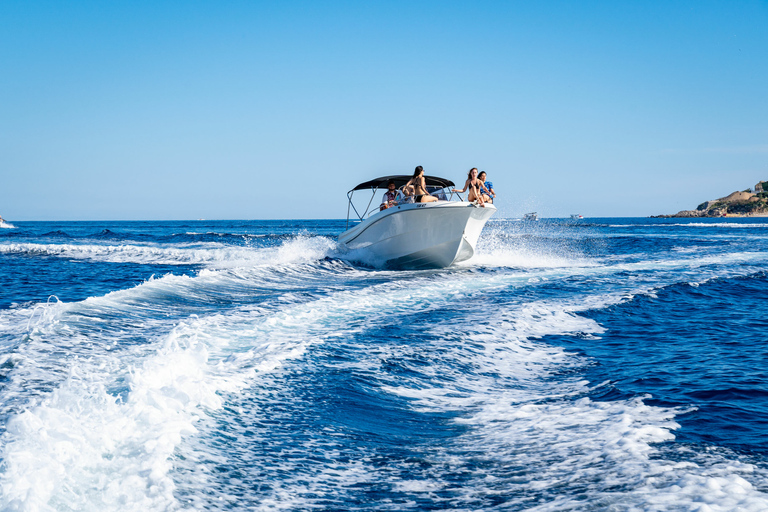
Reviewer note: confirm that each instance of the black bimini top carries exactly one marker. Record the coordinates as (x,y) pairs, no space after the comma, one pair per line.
(402,179)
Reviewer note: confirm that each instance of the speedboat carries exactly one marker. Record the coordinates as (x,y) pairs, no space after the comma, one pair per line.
(415,235)
(531,216)
(576,216)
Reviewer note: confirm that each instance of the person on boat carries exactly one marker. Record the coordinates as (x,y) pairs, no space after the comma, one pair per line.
(475,187)
(391,197)
(418,186)
(488,187)
(408,193)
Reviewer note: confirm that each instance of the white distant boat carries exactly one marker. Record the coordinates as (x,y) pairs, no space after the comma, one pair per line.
(531,216)
(417,235)
(576,216)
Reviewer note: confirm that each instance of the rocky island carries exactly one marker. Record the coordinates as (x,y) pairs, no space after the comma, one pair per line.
(737,204)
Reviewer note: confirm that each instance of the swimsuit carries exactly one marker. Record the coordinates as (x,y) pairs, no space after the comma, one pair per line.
(479,191)
(417,185)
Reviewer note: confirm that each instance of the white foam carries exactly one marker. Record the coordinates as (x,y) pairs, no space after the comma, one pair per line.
(523,256)
(719,225)
(147,402)
(51,459)
(173,385)
(534,435)
(496,248)
(6,225)
(297,250)
(83,447)
(693,225)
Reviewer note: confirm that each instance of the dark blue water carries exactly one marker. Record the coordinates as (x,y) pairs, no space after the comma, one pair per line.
(704,345)
(602,364)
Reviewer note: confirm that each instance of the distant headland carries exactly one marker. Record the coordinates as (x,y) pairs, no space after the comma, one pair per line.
(738,204)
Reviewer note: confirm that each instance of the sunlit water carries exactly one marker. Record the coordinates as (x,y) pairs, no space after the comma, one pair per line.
(608,364)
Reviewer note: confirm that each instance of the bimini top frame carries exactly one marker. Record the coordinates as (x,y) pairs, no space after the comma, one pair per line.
(433,184)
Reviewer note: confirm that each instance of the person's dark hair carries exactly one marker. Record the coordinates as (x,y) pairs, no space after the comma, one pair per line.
(480,174)
(469,174)
(418,170)
(391,182)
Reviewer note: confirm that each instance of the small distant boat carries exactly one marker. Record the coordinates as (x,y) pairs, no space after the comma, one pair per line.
(4,224)
(576,216)
(531,216)
(416,235)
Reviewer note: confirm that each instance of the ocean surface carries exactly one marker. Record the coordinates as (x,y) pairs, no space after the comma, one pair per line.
(600,364)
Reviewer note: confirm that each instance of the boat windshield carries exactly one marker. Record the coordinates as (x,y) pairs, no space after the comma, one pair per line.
(365,199)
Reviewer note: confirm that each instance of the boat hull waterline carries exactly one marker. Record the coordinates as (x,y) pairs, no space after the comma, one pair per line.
(420,235)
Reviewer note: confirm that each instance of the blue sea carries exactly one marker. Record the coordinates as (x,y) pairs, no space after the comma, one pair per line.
(614,364)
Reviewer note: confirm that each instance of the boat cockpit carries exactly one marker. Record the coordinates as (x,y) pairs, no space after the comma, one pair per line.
(440,188)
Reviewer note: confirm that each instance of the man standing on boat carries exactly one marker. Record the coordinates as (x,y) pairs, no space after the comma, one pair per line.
(391,197)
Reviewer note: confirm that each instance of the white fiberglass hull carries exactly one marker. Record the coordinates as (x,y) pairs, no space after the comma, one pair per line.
(420,235)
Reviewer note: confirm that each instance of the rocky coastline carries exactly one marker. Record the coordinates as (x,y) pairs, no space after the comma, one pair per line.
(748,203)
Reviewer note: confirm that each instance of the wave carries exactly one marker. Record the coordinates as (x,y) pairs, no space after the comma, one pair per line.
(722,225)
(525,255)
(118,412)
(56,234)
(498,248)
(694,225)
(296,250)
(120,415)
(6,225)
(133,389)
(225,235)
(526,428)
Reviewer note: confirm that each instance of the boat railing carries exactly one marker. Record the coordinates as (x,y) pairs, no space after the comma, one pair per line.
(442,193)
(461,198)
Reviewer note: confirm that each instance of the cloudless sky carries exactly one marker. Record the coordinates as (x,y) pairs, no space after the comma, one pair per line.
(259,110)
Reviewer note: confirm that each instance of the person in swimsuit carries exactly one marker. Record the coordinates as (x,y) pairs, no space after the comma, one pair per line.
(475,187)
(488,187)
(418,185)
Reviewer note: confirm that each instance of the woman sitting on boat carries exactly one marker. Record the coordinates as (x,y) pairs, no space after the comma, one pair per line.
(475,187)
(488,187)
(418,188)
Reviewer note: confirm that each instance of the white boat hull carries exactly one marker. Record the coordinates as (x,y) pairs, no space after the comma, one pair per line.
(420,235)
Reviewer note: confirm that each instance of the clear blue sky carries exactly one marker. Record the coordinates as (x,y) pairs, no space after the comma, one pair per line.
(257,110)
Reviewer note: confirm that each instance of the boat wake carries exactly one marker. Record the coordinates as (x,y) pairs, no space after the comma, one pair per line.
(298,249)
(288,373)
